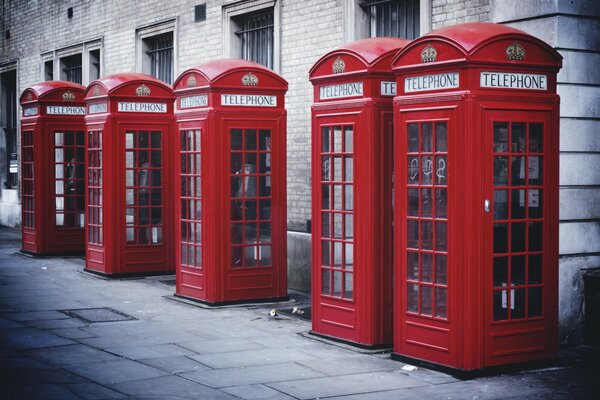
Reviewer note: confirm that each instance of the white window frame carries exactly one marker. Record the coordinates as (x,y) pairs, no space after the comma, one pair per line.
(232,47)
(142,34)
(84,49)
(356,23)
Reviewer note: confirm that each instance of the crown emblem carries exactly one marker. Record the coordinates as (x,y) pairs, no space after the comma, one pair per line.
(191,81)
(96,91)
(250,79)
(515,52)
(338,66)
(68,96)
(142,90)
(429,54)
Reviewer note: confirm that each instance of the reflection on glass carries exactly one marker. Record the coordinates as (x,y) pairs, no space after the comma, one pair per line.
(337,139)
(535,170)
(349,256)
(426,137)
(536,137)
(349,226)
(348,285)
(349,197)
(325,253)
(413,202)
(325,196)
(236,139)
(325,282)
(129,140)
(517,205)
(441,303)
(441,269)
(441,173)
(412,294)
(325,161)
(337,283)
(337,197)
(348,172)
(441,204)
(348,139)
(500,204)
(412,266)
(535,203)
(413,138)
(518,137)
(58,139)
(427,235)
(517,270)
(426,267)
(427,169)
(518,308)
(535,269)
(518,171)
(426,300)
(337,225)
(426,202)
(413,234)
(535,302)
(441,236)
(413,170)
(500,137)
(441,133)
(500,171)
(337,169)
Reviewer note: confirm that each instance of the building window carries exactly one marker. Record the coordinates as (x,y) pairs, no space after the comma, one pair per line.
(70,68)
(8,128)
(397,18)
(94,64)
(156,49)
(256,37)
(251,31)
(49,70)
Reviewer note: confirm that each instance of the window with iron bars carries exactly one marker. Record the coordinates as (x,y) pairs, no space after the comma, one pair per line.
(256,36)
(396,18)
(71,68)
(160,54)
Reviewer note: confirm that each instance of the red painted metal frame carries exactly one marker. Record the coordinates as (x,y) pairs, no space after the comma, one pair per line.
(108,251)
(216,278)
(40,233)
(361,315)
(469,338)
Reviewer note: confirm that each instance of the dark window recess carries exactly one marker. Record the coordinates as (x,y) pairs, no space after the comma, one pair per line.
(256,35)
(160,52)
(200,13)
(397,18)
(70,12)
(7,34)
(71,68)
(8,123)
(49,70)
(94,66)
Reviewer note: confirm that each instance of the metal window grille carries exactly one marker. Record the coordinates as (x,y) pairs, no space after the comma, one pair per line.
(397,18)
(161,56)
(257,38)
(71,67)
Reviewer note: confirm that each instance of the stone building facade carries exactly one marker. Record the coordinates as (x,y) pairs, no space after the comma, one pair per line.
(40,38)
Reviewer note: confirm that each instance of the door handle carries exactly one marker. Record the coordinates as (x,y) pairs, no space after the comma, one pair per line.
(486,205)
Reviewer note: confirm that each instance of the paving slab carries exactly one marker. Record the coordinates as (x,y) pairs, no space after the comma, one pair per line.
(221,345)
(170,387)
(256,392)
(251,375)
(112,372)
(38,376)
(30,338)
(351,364)
(22,362)
(94,391)
(175,365)
(346,384)
(38,392)
(35,315)
(149,351)
(8,324)
(254,357)
(72,355)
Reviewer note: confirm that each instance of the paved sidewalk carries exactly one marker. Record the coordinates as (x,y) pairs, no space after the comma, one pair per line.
(172,350)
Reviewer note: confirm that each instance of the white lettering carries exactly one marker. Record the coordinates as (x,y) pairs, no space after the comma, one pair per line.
(65,110)
(447,80)
(509,80)
(352,89)
(248,100)
(142,107)
(388,88)
(193,101)
(29,111)
(97,108)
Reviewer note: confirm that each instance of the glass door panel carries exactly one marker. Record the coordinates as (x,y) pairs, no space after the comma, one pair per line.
(191,197)
(94,216)
(69,179)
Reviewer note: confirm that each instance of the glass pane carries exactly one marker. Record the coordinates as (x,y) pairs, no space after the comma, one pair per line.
(325,141)
(536,169)
(517,204)
(236,139)
(413,170)
(441,269)
(441,236)
(412,266)
(184,254)
(264,255)
(337,139)
(348,172)
(325,196)
(250,140)
(426,137)
(265,141)
(500,204)
(60,219)
(325,282)
(412,294)
(325,170)
(500,137)
(518,171)
(58,139)
(337,169)
(441,203)
(337,254)
(58,171)
(349,226)
(349,256)
(60,203)
(426,300)
(517,270)
(500,305)
(59,187)
(325,253)
(155,158)
(441,171)
(535,203)
(500,171)
(427,167)
(427,235)
(155,139)
(426,267)
(535,302)
(413,202)
(58,155)
(413,138)
(236,233)
(348,139)
(536,137)
(535,236)
(348,285)
(517,308)
(265,232)
(337,225)
(325,228)
(500,271)
(518,137)
(236,256)
(517,237)
(535,269)
(129,140)
(500,238)
(337,197)
(337,283)
(441,303)
(426,203)
(413,234)
(441,132)
(349,197)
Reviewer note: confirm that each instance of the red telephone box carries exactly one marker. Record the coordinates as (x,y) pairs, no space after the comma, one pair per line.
(232,236)
(52,162)
(129,163)
(352,130)
(476,238)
